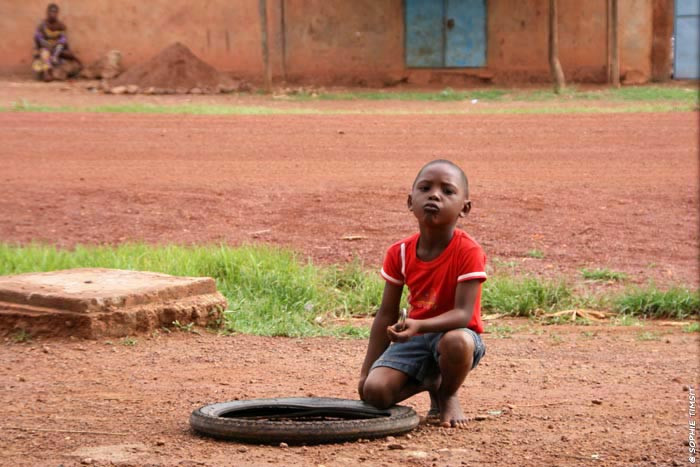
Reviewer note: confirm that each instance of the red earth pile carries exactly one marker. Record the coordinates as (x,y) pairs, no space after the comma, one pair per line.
(174,69)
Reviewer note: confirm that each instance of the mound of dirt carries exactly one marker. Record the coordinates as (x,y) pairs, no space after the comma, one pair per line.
(174,69)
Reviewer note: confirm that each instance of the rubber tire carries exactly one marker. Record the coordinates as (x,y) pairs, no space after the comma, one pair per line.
(207,420)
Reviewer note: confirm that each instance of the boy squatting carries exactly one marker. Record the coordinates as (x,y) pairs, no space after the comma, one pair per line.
(443,268)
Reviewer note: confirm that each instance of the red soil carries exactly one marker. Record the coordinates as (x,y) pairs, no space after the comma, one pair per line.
(175,67)
(133,402)
(617,191)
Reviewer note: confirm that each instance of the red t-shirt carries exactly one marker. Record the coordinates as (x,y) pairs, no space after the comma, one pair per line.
(432,284)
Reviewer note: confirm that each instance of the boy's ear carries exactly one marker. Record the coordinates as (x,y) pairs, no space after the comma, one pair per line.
(465,208)
(409,202)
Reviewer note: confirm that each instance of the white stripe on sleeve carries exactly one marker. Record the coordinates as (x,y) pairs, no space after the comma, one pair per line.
(472,275)
(391,279)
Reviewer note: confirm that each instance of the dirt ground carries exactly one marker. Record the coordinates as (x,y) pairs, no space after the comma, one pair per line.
(543,379)
(600,190)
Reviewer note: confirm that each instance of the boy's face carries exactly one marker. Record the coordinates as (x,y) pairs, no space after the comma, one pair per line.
(439,196)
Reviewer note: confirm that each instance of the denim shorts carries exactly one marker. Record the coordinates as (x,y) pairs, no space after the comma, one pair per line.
(418,357)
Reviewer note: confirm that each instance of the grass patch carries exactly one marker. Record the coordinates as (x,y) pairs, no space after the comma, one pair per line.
(556,338)
(275,109)
(351,331)
(686,96)
(500,331)
(357,291)
(535,254)
(603,274)
(692,327)
(566,319)
(656,93)
(21,336)
(23,105)
(198,109)
(648,336)
(129,341)
(144,108)
(651,302)
(189,327)
(270,291)
(627,320)
(445,95)
(525,297)
(499,263)
(274,292)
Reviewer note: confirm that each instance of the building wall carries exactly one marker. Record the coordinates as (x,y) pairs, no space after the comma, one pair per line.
(225,33)
(336,41)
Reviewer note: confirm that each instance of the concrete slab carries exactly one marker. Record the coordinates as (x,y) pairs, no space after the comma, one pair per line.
(94,302)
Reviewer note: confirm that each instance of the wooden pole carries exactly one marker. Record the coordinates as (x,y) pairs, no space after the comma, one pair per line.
(614,45)
(554,65)
(608,41)
(262,5)
(283,40)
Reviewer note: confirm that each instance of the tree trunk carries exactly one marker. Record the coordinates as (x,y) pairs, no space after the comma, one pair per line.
(554,65)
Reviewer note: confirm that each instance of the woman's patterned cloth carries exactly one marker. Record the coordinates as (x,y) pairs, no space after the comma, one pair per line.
(49,42)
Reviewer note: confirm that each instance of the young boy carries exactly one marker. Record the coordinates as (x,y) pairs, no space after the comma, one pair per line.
(443,267)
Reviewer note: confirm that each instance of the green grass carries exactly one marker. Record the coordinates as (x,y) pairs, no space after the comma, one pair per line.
(603,274)
(627,320)
(500,263)
(692,327)
(649,93)
(274,292)
(687,96)
(524,297)
(143,108)
(270,291)
(491,95)
(651,302)
(500,331)
(445,95)
(648,336)
(656,93)
(537,254)
(21,336)
(129,341)
(556,338)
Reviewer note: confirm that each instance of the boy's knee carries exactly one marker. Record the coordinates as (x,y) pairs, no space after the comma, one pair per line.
(457,346)
(377,394)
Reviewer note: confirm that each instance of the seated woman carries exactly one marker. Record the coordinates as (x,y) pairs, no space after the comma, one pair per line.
(52,57)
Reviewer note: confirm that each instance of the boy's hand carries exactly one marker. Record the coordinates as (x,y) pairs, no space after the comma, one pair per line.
(410,329)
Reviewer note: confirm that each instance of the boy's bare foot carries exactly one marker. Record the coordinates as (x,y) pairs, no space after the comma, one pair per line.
(451,415)
(432,384)
(433,415)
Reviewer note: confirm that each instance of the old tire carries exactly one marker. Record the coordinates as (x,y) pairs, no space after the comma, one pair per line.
(300,420)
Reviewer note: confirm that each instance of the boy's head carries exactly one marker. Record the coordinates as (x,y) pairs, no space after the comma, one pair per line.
(52,12)
(440,194)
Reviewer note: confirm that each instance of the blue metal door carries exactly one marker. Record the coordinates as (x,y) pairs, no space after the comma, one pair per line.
(465,24)
(424,34)
(445,33)
(686,54)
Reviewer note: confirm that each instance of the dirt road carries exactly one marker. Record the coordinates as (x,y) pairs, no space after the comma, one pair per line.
(604,190)
(567,395)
